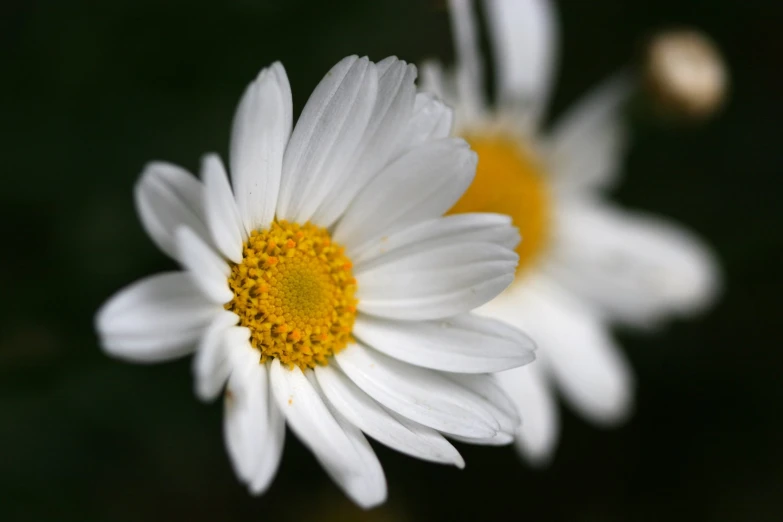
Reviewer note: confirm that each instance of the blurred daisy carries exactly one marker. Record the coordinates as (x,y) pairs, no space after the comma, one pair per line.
(583,261)
(322,286)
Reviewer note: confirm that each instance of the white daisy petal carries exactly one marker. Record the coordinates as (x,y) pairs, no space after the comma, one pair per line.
(384,65)
(394,431)
(259,420)
(436,283)
(500,405)
(237,414)
(437,305)
(441,231)
(469,66)
(465,343)
(382,137)
(262,126)
(537,436)
(309,417)
(367,487)
(422,184)
(595,378)
(432,119)
(327,137)
(420,395)
(223,218)
(500,439)
(252,424)
(635,267)
(434,81)
(155,319)
(337,446)
(210,364)
(586,144)
(588,367)
(168,197)
(524,37)
(209,270)
(266,469)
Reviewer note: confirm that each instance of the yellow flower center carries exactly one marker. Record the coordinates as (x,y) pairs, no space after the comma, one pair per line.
(509,181)
(295,291)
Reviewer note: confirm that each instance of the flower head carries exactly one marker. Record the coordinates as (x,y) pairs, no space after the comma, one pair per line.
(584,262)
(322,288)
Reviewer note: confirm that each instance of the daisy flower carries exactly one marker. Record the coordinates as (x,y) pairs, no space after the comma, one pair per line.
(322,287)
(584,262)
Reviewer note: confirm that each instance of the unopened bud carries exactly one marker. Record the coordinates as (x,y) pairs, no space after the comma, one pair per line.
(685,73)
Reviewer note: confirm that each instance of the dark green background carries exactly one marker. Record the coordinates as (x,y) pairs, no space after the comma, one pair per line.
(90,91)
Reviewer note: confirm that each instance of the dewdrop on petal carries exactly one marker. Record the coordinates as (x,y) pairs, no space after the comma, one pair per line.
(685,73)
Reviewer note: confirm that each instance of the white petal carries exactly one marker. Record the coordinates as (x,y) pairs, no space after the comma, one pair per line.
(635,267)
(469,66)
(586,144)
(168,197)
(209,270)
(488,388)
(422,184)
(537,437)
(157,318)
(262,126)
(500,439)
(223,218)
(436,306)
(431,120)
(437,283)
(392,430)
(252,423)
(267,467)
(327,136)
(337,445)
(384,65)
(421,395)
(587,366)
(210,365)
(241,391)
(434,81)
(368,487)
(442,231)
(465,343)
(524,38)
(390,118)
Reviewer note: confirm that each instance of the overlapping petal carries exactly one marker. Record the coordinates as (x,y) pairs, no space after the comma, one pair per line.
(154,319)
(339,447)
(169,197)
(464,343)
(436,283)
(260,134)
(327,137)
(525,41)
(635,267)
(421,395)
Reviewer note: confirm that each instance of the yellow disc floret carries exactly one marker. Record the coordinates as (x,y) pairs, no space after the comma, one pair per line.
(509,181)
(295,291)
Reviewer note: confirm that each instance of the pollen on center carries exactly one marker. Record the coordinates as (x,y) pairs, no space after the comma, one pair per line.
(509,180)
(294,290)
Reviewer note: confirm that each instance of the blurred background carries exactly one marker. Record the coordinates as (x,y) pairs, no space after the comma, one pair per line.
(92,91)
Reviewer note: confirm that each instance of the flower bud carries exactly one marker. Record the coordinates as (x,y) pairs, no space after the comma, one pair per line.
(685,73)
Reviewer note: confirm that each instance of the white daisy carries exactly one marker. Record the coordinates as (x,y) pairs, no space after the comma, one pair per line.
(583,261)
(323,287)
